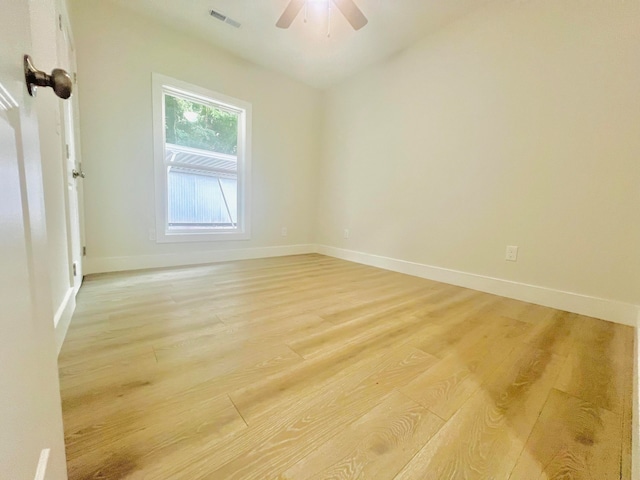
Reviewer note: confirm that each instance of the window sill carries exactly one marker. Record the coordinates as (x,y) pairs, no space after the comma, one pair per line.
(180,237)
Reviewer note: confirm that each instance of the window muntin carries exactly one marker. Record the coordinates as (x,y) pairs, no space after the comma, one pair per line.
(202,172)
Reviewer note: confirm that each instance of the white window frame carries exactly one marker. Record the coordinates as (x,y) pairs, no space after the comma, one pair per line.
(162,84)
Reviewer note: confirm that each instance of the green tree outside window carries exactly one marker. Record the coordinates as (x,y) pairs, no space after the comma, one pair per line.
(195,125)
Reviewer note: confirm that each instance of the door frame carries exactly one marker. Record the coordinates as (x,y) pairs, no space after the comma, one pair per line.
(71,148)
(70,135)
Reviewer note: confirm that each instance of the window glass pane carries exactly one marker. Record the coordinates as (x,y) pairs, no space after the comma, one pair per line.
(196,125)
(201,200)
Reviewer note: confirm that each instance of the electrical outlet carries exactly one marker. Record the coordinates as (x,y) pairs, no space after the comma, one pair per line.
(512,253)
(284,231)
(346,233)
(152,234)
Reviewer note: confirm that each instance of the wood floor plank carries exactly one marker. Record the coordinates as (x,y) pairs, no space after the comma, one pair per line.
(556,333)
(312,375)
(460,326)
(269,447)
(377,445)
(485,436)
(120,394)
(122,438)
(83,377)
(360,328)
(595,368)
(571,439)
(444,388)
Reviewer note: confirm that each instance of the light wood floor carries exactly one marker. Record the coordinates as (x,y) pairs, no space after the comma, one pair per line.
(309,367)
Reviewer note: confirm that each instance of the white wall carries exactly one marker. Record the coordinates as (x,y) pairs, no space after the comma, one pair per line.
(117,51)
(517,125)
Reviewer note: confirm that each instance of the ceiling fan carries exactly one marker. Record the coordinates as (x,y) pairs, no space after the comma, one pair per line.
(349,9)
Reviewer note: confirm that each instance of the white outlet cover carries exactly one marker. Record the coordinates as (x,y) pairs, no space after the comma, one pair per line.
(346,233)
(512,253)
(284,231)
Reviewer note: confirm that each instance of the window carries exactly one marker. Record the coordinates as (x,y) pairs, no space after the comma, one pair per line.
(202,159)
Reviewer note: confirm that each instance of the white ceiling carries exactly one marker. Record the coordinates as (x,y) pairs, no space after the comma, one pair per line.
(304,51)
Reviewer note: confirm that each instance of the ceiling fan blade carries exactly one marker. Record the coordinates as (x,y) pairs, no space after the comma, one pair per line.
(352,13)
(290,13)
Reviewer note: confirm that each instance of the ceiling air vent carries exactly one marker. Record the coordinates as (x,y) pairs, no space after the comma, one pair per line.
(224,18)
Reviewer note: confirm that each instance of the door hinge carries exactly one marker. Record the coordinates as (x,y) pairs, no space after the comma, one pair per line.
(75,77)
(59,22)
(67,145)
(75,269)
(84,251)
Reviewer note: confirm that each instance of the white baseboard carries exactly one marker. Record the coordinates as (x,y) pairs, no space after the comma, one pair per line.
(63,315)
(610,310)
(139,262)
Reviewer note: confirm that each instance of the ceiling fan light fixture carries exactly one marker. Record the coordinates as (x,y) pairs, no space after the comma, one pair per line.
(347,7)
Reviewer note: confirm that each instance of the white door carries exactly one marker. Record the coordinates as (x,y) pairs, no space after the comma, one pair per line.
(30,412)
(74,173)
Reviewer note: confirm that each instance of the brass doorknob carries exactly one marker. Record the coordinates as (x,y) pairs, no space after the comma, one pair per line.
(59,80)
